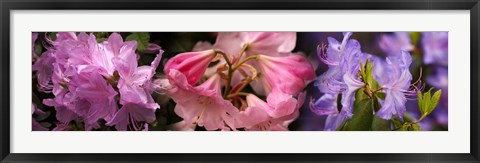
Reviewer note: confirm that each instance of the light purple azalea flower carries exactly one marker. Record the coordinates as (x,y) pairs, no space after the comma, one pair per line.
(344,61)
(332,80)
(435,48)
(396,82)
(393,44)
(333,121)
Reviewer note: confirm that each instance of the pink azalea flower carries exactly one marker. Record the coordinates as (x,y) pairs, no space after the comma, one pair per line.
(135,94)
(114,48)
(181,126)
(276,114)
(190,64)
(130,113)
(98,96)
(35,125)
(289,74)
(61,127)
(202,104)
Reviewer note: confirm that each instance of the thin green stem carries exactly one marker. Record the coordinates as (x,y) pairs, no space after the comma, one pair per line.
(244,48)
(230,72)
(243,61)
(421,118)
(224,56)
(238,94)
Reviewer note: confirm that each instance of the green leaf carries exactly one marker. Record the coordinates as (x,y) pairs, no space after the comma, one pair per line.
(368,72)
(426,101)
(415,127)
(43,117)
(375,85)
(396,123)
(403,128)
(362,115)
(342,125)
(420,102)
(434,101)
(376,105)
(142,38)
(415,37)
(37,101)
(46,124)
(381,95)
(380,124)
(53,35)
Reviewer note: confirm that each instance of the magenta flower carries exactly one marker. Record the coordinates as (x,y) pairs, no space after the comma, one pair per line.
(190,64)
(288,74)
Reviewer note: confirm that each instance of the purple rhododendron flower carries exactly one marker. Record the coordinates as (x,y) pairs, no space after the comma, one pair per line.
(393,44)
(343,60)
(435,48)
(396,82)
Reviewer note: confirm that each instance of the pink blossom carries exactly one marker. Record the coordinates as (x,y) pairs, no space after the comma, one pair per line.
(135,94)
(191,64)
(266,43)
(276,114)
(289,74)
(202,104)
(35,125)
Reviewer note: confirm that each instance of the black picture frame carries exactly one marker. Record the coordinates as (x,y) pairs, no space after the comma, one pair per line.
(5,72)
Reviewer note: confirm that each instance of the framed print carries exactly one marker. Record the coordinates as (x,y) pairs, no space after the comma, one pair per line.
(193,81)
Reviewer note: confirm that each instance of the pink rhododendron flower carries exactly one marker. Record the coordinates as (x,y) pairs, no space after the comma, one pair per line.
(202,104)
(275,114)
(289,74)
(190,64)
(266,43)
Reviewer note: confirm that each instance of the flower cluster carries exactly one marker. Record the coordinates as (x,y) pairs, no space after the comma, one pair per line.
(93,82)
(387,82)
(261,62)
